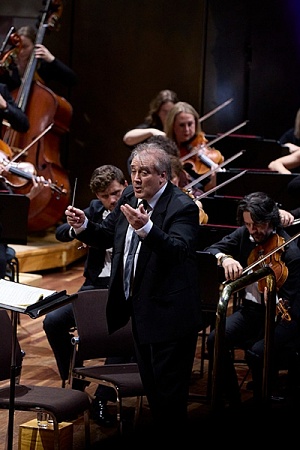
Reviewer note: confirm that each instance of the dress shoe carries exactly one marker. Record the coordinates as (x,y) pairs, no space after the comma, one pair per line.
(100,413)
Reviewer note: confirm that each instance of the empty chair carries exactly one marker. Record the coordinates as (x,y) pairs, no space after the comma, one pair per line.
(94,342)
(61,404)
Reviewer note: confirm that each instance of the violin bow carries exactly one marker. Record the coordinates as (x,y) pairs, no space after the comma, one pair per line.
(217,139)
(5,42)
(213,111)
(205,194)
(219,166)
(32,143)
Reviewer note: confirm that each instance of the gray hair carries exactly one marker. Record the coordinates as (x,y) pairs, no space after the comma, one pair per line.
(162,161)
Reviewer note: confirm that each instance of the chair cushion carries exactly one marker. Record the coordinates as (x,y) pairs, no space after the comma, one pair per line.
(65,404)
(125,377)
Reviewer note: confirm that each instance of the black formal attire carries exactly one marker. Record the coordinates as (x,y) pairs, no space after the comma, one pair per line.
(12,114)
(245,327)
(55,70)
(165,306)
(57,324)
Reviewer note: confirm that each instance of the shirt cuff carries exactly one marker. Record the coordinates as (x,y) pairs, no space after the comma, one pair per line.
(82,228)
(145,230)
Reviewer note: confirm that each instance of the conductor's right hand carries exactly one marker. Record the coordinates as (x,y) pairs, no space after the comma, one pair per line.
(75,217)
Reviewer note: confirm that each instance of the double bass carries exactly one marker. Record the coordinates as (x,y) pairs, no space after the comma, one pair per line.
(45,111)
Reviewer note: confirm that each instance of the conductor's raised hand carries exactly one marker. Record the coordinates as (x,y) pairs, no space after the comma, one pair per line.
(75,217)
(136,217)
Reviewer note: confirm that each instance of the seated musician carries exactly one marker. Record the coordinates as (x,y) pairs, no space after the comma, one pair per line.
(19,122)
(259,229)
(49,68)
(183,127)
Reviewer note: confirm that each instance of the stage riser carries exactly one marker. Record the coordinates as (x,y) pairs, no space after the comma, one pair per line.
(47,253)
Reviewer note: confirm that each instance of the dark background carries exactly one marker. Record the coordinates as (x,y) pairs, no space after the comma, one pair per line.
(125,51)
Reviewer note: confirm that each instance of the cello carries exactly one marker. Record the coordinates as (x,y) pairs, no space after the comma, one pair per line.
(45,110)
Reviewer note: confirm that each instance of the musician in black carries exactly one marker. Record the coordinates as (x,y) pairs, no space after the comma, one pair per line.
(259,223)
(48,68)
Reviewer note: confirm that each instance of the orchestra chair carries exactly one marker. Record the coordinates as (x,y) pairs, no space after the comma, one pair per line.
(12,268)
(94,342)
(209,294)
(12,265)
(61,404)
(210,277)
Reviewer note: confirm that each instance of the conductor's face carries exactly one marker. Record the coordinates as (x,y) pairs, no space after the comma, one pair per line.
(145,179)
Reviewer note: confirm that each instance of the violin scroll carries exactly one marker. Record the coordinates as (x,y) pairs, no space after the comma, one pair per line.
(54,12)
(8,57)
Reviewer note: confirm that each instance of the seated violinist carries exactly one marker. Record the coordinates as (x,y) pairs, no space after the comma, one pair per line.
(19,122)
(183,127)
(259,232)
(38,184)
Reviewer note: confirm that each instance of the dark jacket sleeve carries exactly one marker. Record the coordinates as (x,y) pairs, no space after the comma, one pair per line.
(296,212)
(57,71)
(13,114)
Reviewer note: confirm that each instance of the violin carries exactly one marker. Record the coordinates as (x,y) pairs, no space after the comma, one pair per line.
(8,57)
(208,154)
(199,157)
(23,171)
(269,254)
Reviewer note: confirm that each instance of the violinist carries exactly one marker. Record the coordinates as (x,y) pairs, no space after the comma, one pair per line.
(259,232)
(38,184)
(19,122)
(183,127)
(49,68)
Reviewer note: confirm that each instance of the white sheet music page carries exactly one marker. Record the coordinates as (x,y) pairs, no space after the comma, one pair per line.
(21,295)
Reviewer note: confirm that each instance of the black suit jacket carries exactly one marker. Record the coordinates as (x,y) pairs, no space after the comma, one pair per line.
(95,258)
(166,301)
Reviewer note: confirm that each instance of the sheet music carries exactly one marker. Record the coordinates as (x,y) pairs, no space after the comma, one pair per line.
(20,295)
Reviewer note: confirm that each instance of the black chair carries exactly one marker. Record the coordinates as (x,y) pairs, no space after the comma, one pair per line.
(61,404)
(94,342)
(209,293)
(12,265)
